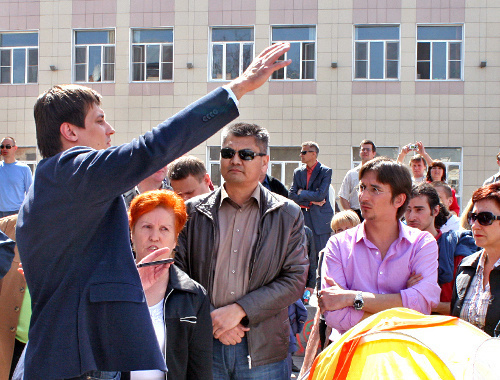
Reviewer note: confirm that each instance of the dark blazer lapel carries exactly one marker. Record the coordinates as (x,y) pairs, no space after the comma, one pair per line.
(303,177)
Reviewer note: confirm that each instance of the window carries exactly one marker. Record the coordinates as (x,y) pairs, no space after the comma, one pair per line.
(94,57)
(439,52)
(152,54)
(232,51)
(19,57)
(302,51)
(376,52)
(283,161)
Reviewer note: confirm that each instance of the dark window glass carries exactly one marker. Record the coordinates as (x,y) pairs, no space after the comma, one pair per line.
(138,53)
(167,53)
(217,62)
(423,70)
(293,69)
(232,34)
(232,61)
(138,71)
(361,51)
(454,70)
(247,55)
(80,55)
(423,51)
(5,75)
(392,69)
(5,57)
(392,50)
(152,35)
(361,69)
(377,33)
(167,73)
(454,50)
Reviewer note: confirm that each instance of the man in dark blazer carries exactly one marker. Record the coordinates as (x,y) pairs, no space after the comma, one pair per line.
(89,313)
(310,190)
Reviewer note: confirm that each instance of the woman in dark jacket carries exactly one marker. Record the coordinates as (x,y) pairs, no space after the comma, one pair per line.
(476,295)
(179,306)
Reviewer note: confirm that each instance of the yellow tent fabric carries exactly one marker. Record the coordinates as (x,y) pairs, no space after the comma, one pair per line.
(400,343)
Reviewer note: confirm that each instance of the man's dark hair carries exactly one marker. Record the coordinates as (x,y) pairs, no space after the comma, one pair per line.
(260,134)
(185,166)
(392,173)
(432,196)
(11,138)
(61,104)
(312,144)
(439,164)
(365,141)
(498,156)
(418,157)
(444,186)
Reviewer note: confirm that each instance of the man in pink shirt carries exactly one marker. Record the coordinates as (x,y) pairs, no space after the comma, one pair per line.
(366,268)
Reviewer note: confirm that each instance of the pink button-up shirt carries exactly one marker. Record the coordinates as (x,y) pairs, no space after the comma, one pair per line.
(355,263)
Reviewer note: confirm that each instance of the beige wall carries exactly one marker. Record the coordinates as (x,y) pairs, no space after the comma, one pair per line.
(331,110)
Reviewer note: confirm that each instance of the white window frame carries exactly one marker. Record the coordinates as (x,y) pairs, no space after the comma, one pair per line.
(385,60)
(161,45)
(87,47)
(301,50)
(224,52)
(27,49)
(462,55)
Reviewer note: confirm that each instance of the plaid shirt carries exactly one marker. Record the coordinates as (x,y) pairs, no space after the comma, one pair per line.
(478,298)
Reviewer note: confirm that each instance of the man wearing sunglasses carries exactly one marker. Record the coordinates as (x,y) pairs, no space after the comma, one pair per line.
(426,213)
(310,190)
(246,246)
(16,179)
(89,316)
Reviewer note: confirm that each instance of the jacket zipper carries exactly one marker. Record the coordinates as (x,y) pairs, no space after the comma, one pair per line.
(165,329)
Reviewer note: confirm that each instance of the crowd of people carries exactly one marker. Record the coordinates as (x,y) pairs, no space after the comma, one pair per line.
(135,267)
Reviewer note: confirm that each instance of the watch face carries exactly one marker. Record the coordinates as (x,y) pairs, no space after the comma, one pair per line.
(358,304)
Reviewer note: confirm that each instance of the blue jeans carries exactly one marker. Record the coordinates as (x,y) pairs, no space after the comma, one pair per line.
(232,363)
(99,375)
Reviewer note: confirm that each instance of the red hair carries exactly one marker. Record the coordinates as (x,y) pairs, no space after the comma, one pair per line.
(148,201)
(491,191)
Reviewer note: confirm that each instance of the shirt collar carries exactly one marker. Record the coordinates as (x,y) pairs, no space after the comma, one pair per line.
(224,195)
(403,233)
(313,167)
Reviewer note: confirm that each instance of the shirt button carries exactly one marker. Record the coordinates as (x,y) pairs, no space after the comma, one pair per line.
(233,271)
(376,253)
(16,308)
(237,230)
(235,250)
(381,272)
(232,293)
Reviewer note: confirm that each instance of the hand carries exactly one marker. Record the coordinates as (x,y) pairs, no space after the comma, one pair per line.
(413,280)
(260,69)
(233,336)
(226,318)
(299,191)
(405,149)
(21,270)
(151,275)
(335,297)
(320,203)
(420,147)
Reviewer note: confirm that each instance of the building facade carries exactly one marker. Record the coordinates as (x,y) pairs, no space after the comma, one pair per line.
(393,71)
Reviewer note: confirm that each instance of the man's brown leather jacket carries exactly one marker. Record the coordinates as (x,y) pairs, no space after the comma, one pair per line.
(278,267)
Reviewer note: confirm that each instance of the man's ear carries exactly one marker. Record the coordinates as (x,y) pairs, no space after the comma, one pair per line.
(68,132)
(206,179)
(435,211)
(399,200)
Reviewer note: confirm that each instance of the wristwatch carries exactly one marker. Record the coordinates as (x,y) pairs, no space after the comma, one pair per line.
(358,301)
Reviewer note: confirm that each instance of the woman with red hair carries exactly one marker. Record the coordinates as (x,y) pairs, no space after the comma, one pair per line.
(179,306)
(476,295)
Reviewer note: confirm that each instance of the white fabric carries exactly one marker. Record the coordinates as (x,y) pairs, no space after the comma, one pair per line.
(348,188)
(452,224)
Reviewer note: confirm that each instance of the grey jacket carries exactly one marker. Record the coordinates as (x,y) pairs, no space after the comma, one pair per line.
(278,267)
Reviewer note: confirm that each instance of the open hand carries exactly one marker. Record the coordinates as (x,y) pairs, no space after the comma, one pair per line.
(152,274)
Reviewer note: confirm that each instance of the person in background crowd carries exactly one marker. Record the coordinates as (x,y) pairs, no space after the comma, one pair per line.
(73,228)
(437,173)
(310,190)
(255,246)
(179,306)
(495,177)
(188,177)
(464,222)
(154,182)
(476,294)
(418,162)
(16,179)
(425,212)
(446,196)
(15,308)
(366,268)
(348,193)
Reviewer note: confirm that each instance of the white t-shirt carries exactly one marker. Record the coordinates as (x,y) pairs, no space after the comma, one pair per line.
(348,187)
(452,224)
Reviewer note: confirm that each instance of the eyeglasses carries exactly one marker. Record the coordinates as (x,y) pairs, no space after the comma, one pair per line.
(484,218)
(244,154)
(304,152)
(373,190)
(366,149)
(8,146)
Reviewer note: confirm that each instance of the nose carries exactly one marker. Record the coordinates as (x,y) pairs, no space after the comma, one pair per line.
(154,235)
(236,160)
(110,130)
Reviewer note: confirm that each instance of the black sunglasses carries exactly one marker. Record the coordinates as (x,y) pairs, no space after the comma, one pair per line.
(8,146)
(484,218)
(244,154)
(306,151)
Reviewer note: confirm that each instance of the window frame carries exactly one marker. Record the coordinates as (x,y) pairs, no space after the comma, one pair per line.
(385,60)
(301,50)
(161,45)
(462,53)
(87,46)
(27,49)
(224,44)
